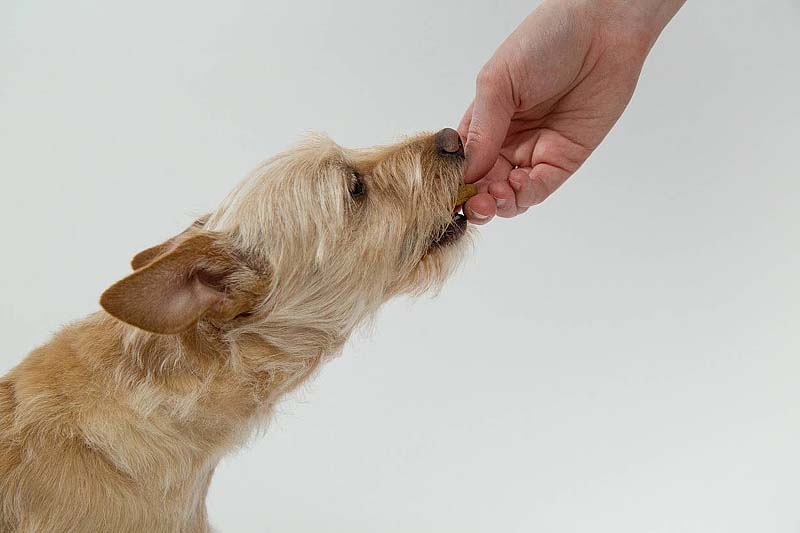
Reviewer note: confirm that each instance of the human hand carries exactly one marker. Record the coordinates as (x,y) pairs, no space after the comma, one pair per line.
(550,94)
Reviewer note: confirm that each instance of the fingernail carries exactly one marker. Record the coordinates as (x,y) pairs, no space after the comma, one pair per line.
(477,215)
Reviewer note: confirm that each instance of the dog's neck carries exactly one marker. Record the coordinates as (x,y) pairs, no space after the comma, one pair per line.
(188,399)
(135,423)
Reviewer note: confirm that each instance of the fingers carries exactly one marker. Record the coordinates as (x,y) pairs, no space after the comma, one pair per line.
(513,195)
(481,208)
(533,186)
(497,197)
(487,127)
(520,181)
(504,198)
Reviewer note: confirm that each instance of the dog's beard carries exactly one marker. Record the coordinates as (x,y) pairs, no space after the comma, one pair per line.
(445,250)
(452,233)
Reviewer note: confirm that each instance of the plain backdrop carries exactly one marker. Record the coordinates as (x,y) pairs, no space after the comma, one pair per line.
(623,358)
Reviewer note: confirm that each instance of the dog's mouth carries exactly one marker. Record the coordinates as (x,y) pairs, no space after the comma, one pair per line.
(457,227)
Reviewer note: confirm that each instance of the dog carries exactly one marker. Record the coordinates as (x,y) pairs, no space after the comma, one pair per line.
(117,423)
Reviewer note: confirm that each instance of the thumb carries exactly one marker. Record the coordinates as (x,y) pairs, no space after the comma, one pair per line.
(491,117)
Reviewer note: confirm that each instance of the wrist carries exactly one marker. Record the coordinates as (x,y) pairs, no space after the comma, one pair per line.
(638,22)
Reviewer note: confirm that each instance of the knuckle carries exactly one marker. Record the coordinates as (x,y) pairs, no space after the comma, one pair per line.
(489,78)
(532,194)
(486,77)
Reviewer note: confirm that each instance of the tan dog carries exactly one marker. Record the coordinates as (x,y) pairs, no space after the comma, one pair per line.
(117,423)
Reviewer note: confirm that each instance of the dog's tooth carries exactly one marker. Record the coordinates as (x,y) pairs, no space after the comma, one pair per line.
(465,192)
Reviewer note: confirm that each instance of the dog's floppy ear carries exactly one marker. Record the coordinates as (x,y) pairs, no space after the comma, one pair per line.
(147,256)
(180,285)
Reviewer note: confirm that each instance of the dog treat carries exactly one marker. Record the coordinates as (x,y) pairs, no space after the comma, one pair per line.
(465,192)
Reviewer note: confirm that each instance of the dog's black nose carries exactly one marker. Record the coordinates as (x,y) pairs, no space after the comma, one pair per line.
(448,142)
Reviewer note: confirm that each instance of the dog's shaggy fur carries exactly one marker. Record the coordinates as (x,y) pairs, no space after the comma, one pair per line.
(117,423)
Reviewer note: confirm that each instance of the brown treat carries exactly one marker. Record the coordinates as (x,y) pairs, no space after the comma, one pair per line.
(465,192)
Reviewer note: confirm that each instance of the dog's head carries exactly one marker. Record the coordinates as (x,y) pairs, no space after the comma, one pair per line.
(318,237)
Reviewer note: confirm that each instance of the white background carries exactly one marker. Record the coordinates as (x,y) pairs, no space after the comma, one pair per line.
(623,358)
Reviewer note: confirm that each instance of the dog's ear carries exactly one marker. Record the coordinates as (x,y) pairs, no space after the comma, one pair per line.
(147,256)
(199,275)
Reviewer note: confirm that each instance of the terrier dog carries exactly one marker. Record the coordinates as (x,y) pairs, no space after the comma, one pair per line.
(117,423)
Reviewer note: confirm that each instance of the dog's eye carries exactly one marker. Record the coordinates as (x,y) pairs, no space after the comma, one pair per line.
(357,187)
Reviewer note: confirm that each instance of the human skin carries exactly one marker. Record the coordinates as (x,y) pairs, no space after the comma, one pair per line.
(550,94)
